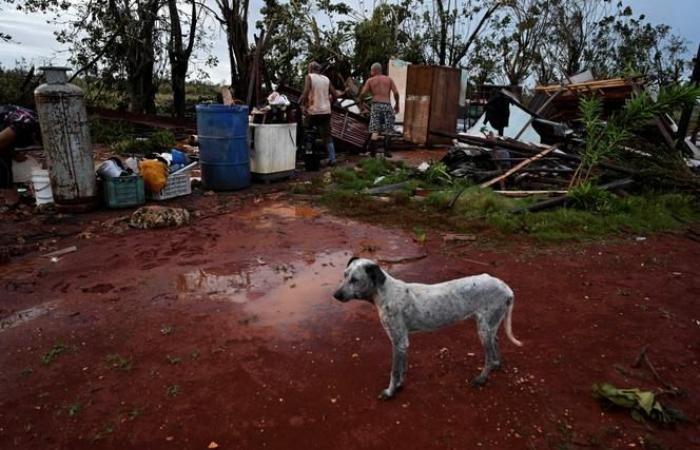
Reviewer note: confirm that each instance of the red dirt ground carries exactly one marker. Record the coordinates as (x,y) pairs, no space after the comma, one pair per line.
(233,337)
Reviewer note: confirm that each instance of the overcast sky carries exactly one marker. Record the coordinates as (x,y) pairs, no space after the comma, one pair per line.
(34,39)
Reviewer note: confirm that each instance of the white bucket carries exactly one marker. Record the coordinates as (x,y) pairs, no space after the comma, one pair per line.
(41,186)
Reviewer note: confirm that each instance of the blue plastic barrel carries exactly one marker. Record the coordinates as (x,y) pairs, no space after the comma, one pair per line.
(223,146)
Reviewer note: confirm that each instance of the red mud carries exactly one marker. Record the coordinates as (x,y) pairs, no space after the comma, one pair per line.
(233,337)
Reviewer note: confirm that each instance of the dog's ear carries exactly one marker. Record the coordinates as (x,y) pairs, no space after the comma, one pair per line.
(375,274)
(351,260)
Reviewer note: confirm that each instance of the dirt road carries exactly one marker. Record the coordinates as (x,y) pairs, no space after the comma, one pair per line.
(225,332)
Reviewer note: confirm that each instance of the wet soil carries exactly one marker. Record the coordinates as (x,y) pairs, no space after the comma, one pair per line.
(225,332)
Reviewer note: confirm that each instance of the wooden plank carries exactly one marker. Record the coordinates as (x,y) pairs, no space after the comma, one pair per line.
(564,199)
(539,111)
(520,166)
(658,122)
(527,193)
(444,103)
(345,124)
(226,95)
(61,252)
(610,83)
(419,80)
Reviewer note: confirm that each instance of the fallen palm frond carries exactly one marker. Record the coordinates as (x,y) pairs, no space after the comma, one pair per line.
(643,405)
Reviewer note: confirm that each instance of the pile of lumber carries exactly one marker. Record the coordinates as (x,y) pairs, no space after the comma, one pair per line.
(562,100)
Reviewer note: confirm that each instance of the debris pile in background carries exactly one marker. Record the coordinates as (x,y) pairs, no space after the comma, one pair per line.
(608,134)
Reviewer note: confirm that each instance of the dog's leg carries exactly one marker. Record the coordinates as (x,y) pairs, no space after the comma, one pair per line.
(399,342)
(487,336)
(404,366)
(494,323)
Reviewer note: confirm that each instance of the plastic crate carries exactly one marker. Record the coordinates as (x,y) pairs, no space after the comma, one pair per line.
(178,184)
(123,192)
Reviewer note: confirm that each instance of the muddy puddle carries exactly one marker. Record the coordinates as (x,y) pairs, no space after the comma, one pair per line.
(272,294)
(266,216)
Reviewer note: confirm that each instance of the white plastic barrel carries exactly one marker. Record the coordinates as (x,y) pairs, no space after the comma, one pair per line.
(41,186)
(273,149)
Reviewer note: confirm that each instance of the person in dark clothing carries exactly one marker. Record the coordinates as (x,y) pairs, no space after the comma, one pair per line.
(19,127)
(497,112)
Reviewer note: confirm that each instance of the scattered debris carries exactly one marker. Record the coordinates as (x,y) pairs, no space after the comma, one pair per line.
(642,404)
(61,252)
(643,357)
(159,217)
(451,237)
(388,188)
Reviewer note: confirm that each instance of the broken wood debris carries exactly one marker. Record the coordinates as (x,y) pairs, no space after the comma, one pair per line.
(453,237)
(61,252)
(520,166)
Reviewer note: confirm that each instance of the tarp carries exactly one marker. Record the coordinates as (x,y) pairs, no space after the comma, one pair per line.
(519,116)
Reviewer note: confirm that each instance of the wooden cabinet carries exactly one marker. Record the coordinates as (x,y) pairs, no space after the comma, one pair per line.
(432,103)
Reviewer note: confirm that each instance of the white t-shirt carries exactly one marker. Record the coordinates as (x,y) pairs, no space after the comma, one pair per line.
(319,96)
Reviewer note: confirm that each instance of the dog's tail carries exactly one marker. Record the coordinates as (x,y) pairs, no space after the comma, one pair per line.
(509,325)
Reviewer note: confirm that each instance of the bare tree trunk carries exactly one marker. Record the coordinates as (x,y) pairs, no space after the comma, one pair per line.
(461,53)
(442,45)
(234,19)
(180,54)
(141,60)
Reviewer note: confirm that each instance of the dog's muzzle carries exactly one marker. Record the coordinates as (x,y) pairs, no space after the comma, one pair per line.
(338,295)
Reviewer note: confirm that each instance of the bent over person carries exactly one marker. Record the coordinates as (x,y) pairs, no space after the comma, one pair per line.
(19,127)
(382,115)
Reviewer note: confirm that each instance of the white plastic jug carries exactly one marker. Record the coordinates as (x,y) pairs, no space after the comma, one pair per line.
(41,186)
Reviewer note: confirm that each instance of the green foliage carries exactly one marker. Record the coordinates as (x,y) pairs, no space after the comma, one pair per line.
(17,85)
(158,142)
(473,202)
(74,409)
(589,197)
(173,390)
(605,139)
(135,412)
(593,214)
(633,214)
(53,353)
(367,172)
(643,405)
(110,131)
(437,174)
(173,360)
(624,43)
(382,36)
(118,362)
(420,235)
(296,38)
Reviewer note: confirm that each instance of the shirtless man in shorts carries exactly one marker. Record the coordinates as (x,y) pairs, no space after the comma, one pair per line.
(382,115)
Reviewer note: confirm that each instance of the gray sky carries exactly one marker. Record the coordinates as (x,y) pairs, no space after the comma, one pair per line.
(35,42)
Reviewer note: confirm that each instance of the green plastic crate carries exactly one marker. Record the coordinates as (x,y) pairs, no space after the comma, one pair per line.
(123,192)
